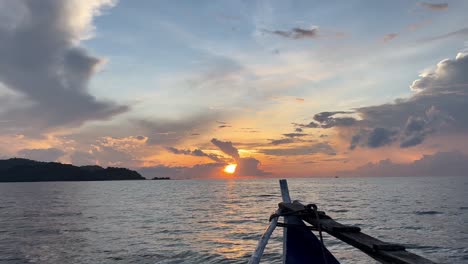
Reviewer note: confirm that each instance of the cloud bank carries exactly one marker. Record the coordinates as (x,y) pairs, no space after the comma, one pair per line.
(438,106)
(42,63)
(440,164)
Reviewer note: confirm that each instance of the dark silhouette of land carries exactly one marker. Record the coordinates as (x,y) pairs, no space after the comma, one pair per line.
(25,170)
(160,178)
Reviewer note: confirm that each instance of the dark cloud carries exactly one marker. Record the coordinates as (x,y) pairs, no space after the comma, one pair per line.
(281,141)
(453,163)
(354,141)
(328,120)
(226,147)
(298,129)
(435,7)
(415,132)
(309,125)
(381,136)
(293,135)
(224,126)
(295,33)
(195,152)
(324,148)
(325,116)
(50,154)
(40,60)
(338,122)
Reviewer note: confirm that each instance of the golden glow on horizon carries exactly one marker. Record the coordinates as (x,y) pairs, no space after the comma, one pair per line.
(231,168)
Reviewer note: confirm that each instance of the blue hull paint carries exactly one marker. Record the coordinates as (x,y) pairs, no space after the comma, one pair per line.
(303,247)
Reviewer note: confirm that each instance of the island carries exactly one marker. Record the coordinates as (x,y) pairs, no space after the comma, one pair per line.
(160,178)
(25,170)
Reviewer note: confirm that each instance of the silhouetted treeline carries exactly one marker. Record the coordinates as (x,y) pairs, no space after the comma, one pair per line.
(24,170)
(161,178)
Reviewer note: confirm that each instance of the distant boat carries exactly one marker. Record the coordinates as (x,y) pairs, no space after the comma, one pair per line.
(301,246)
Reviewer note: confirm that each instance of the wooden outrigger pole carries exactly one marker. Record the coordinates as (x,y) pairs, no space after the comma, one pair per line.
(301,246)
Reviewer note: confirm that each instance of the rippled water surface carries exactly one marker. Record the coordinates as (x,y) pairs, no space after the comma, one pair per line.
(220,221)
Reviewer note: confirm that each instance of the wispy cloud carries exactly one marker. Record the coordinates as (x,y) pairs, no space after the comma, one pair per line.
(389,37)
(317,148)
(457,33)
(434,6)
(195,152)
(295,33)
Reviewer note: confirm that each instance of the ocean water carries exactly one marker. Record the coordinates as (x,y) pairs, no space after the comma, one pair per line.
(220,221)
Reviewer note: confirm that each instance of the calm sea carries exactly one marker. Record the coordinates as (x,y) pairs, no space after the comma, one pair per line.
(220,221)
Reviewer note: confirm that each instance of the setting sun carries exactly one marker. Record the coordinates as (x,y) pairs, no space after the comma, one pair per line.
(231,168)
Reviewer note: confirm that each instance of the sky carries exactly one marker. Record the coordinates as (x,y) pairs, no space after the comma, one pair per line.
(182,89)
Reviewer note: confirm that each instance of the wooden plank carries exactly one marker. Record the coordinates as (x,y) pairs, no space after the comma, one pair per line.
(257,255)
(284,191)
(382,251)
(286,199)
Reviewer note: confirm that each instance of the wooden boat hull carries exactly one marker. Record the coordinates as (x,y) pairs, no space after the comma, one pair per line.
(302,246)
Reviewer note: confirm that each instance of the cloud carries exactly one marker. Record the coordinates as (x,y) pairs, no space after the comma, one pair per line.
(380,137)
(416,26)
(389,37)
(457,33)
(170,132)
(293,135)
(301,150)
(195,152)
(282,141)
(103,156)
(434,7)
(49,154)
(245,166)
(354,141)
(309,125)
(249,167)
(295,33)
(439,164)
(327,120)
(415,132)
(42,63)
(226,147)
(437,106)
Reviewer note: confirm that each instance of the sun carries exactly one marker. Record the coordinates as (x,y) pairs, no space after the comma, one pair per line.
(231,168)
